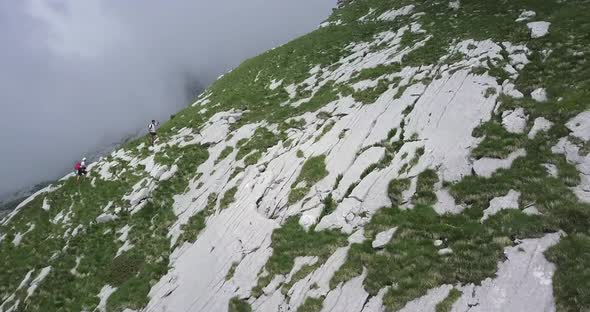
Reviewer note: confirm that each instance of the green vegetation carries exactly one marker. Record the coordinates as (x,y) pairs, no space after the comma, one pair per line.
(410,261)
(232,271)
(96,244)
(313,170)
(238,305)
(303,272)
(228,198)
(292,241)
(311,305)
(498,142)
(395,190)
(447,304)
(122,268)
(224,153)
(258,143)
(425,188)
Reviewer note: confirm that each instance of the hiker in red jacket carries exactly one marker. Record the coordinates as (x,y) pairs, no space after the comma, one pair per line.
(80,168)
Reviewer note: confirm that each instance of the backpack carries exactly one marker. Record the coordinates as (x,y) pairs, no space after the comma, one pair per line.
(77,166)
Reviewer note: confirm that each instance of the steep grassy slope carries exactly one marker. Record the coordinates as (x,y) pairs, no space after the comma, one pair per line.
(276,188)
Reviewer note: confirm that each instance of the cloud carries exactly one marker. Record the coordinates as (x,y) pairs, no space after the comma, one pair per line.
(78,75)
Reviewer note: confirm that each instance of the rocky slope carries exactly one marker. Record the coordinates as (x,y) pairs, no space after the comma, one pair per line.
(405,156)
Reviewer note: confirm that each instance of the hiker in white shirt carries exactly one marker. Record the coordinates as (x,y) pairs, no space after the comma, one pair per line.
(152,127)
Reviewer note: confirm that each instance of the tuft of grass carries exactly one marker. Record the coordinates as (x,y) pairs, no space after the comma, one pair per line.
(238,305)
(425,188)
(313,170)
(232,271)
(329,206)
(303,272)
(224,153)
(122,268)
(497,142)
(395,189)
(311,305)
(228,198)
(253,158)
(572,277)
(447,304)
(262,140)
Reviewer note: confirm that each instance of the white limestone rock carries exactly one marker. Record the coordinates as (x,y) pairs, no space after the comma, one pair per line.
(19,236)
(299,263)
(509,89)
(383,238)
(37,281)
(45,205)
(514,121)
(540,124)
(485,167)
(538,29)
(509,201)
(105,217)
(350,296)
(308,219)
(455,5)
(375,304)
(551,170)
(357,237)
(445,251)
(169,173)
(580,126)
(105,292)
(539,95)
(393,14)
(531,211)
(274,284)
(526,15)
(275,84)
(429,301)
(316,284)
(582,163)
(446,203)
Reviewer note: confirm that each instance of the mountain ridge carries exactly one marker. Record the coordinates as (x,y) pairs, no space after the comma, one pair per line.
(406,156)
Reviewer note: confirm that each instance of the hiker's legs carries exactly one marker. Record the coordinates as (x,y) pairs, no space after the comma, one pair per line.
(152,138)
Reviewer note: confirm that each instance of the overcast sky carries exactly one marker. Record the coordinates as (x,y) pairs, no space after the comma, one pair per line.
(76,75)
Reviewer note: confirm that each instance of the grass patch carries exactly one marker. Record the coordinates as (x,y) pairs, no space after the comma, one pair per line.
(313,170)
(292,241)
(411,260)
(395,189)
(232,271)
(311,305)
(447,304)
(122,268)
(228,198)
(224,153)
(238,305)
(425,188)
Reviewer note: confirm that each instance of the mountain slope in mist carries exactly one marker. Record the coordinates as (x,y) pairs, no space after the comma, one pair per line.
(405,156)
